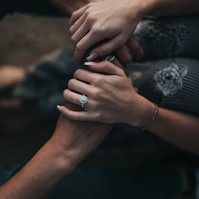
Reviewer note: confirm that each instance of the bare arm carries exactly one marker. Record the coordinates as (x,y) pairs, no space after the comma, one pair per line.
(100,28)
(173,7)
(177,128)
(71,142)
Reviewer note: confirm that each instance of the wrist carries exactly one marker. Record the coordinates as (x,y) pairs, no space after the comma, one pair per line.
(138,9)
(68,143)
(147,7)
(144,113)
(60,156)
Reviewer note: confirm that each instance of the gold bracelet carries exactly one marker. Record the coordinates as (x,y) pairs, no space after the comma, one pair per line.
(155,112)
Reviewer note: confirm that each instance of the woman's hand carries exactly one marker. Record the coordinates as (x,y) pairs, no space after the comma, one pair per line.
(107,25)
(111,97)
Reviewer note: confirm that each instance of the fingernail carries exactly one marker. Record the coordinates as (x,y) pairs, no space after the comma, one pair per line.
(89,63)
(92,56)
(59,107)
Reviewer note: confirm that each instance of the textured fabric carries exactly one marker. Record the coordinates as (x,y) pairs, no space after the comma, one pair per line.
(171,83)
(169,37)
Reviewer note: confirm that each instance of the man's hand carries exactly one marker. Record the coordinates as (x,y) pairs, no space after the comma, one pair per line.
(70,143)
(79,138)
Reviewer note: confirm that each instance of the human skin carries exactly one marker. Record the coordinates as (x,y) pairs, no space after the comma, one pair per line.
(112,99)
(68,7)
(99,28)
(70,143)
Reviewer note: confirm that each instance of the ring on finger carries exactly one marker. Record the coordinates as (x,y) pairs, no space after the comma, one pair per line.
(110,58)
(83,100)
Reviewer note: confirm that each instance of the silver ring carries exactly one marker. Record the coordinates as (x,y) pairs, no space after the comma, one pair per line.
(83,100)
(110,58)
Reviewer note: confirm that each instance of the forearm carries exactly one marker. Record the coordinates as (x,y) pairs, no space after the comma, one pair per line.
(177,128)
(136,9)
(180,129)
(172,7)
(38,177)
(70,143)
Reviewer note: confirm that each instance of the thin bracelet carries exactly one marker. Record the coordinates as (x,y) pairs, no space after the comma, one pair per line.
(155,112)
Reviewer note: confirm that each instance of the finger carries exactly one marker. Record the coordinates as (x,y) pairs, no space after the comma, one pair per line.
(76,115)
(79,86)
(79,34)
(71,96)
(135,47)
(108,46)
(124,55)
(105,67)
(118,63)
(76,15)
(77,24)
(90,39)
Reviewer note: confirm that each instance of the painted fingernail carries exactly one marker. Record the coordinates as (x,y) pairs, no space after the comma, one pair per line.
(59,107)
(89,63)
(92,56)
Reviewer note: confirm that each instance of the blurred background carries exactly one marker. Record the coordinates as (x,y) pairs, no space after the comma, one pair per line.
(24,39)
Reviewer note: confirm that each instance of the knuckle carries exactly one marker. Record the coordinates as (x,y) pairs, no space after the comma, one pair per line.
(77,73)
(106,67)
(89,7)
(73,40)
(74,14)
(71,83)
(71,30)
(98,81)
(120,40)
(128,59)
(96,30)
(90,17)
(97,95)
(106,49)
(79,47)
(65,93)
(135,44)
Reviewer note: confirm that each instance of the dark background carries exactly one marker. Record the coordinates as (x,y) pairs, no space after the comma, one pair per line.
(23,40)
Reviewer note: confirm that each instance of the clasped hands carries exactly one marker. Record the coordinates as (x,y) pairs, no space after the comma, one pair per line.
(111,97)
(102,27)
